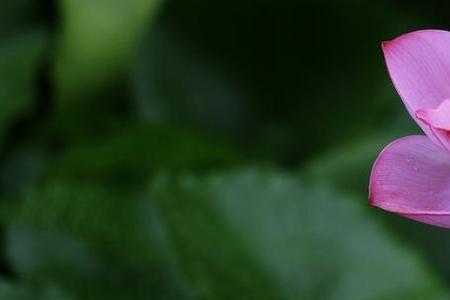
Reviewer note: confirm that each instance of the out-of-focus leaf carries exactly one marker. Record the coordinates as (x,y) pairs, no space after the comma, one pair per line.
(19,60)
(139,150)
(96,242)
(214,258)
(8,291)
(308,243)
(15,292)
(98,40)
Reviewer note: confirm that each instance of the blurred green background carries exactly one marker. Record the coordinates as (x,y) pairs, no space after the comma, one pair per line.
(188,149)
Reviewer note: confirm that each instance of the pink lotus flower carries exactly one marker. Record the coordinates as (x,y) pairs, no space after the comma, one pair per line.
(411,176)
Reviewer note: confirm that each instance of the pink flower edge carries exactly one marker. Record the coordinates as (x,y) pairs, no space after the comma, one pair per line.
(411,177)
(419,66)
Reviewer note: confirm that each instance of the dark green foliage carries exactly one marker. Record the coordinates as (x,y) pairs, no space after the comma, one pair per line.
(311,244)
(188,149)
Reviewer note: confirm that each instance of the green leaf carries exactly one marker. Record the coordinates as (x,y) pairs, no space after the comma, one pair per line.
(138,150)
(99,38)
(94,241)
(263,233)
(16,292)
(213,257)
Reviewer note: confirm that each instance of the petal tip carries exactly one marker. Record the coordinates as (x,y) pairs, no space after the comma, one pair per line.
(385,45)
(414,35)
(371,201)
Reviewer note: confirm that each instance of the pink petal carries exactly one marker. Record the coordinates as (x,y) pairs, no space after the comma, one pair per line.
(437,117)
(411,177)
(419,65)
(438,122)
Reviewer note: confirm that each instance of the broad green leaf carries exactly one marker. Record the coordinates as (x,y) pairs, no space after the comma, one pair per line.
(216,260)
(303,243)
(96,242)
